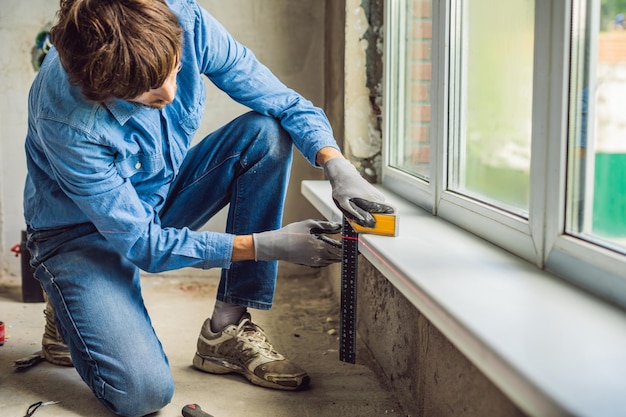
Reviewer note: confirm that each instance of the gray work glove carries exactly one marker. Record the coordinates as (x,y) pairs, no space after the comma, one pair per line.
(301,243)
(354,196)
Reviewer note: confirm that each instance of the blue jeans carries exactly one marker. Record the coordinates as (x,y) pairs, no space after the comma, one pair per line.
(96,291)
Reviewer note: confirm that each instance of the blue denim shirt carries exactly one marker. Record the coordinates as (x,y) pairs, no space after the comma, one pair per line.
(112,165)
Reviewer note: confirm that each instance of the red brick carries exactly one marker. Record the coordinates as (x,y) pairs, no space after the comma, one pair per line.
(420,154)
(422,8)
(421,72)
(422,30)
(419,134)
(420,92)
(420,50)
(420,113)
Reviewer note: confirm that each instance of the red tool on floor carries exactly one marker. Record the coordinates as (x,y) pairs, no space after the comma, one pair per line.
(194,410)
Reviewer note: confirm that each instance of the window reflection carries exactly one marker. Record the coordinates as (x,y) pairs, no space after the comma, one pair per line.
(597,146)
(492,103)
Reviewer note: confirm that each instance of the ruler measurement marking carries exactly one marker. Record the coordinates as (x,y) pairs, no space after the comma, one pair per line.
(350,251)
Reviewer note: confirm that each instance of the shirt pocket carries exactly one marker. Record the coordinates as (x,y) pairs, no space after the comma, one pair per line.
(191,122)
(146,165)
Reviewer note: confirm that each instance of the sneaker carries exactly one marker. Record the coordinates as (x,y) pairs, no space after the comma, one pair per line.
(243,348)
(53,347)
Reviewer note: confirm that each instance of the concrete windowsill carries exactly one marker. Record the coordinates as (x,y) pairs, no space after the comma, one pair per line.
(551,348)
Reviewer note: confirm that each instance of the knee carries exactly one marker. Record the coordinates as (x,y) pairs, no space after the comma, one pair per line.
(261,124)
(140,396)
(267,127)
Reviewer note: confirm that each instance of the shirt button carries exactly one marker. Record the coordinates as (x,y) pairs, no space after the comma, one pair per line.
(138,165)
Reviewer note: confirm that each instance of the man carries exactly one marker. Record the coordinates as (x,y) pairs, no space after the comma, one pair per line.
(114,187)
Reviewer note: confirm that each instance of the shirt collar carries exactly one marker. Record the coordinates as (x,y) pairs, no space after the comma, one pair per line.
(122,110)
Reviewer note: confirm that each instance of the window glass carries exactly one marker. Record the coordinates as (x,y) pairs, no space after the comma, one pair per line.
(413,150)
(466,89)
(597,132)
(492,84)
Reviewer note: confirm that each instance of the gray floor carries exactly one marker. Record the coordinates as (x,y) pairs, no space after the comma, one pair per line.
(301,326)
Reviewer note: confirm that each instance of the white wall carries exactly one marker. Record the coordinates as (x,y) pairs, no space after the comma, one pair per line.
(20,21)
(286,35)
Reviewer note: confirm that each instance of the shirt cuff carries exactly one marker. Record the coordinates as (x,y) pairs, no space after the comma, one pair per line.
(219,250)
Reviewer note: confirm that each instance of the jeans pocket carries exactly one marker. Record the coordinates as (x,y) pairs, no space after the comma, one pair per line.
(44,243)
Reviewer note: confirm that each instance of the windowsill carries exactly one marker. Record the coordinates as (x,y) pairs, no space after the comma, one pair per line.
(551,348)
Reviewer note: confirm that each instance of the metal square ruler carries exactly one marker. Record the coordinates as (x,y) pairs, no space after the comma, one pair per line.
(347,318)
(386,225)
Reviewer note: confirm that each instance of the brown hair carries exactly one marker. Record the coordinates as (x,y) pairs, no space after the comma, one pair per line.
(117,48)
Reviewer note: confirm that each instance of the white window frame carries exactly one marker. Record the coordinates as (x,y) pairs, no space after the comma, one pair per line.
(540,239)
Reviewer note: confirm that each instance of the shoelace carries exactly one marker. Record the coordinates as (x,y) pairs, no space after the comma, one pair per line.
(256,336)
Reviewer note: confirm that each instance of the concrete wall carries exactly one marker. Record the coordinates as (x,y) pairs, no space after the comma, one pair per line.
(288,36)
(363,85)
(428,374)
(20,21)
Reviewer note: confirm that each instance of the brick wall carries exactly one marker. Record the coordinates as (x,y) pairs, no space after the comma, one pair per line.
(417,154)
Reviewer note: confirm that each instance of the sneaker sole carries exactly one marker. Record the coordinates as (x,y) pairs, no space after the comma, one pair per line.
(219,366)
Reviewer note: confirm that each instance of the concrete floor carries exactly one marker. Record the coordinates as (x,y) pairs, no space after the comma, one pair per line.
(298,326)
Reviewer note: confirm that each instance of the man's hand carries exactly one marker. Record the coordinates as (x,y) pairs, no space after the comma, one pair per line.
(301,243)
(354,196)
